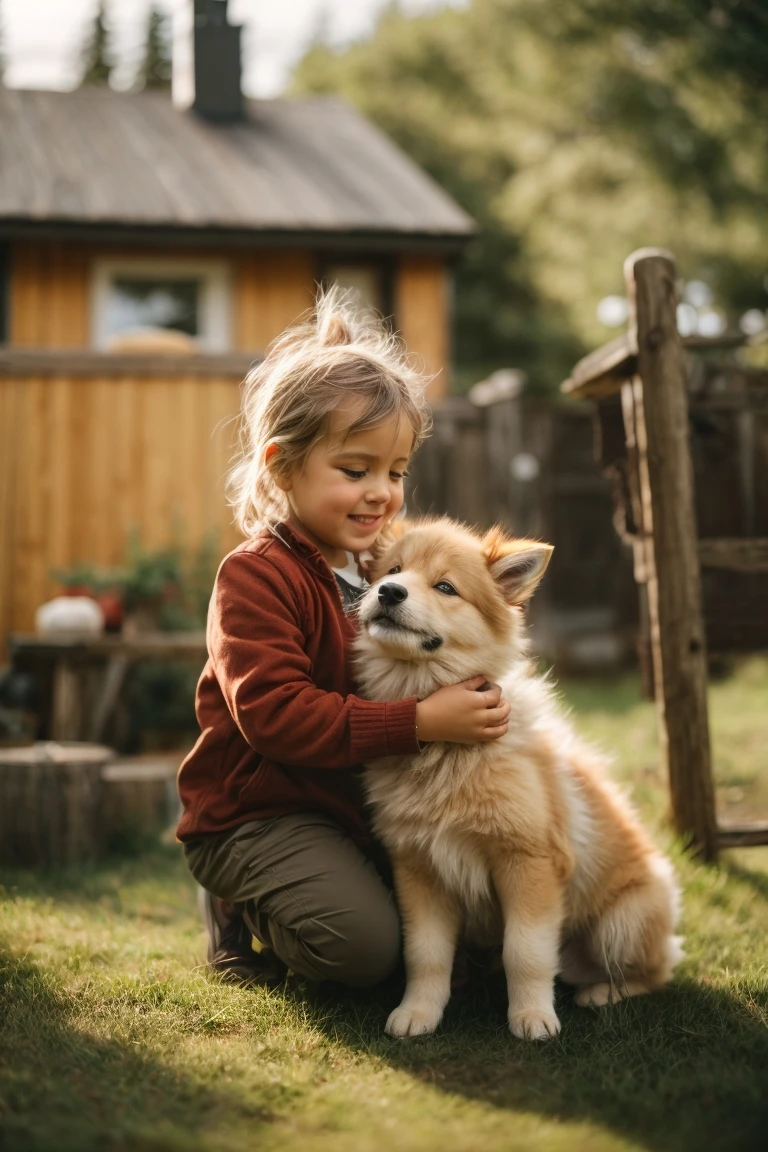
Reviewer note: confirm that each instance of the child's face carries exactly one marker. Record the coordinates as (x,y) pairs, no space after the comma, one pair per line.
(348,489)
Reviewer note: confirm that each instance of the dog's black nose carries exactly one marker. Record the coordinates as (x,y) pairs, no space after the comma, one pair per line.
(390,594)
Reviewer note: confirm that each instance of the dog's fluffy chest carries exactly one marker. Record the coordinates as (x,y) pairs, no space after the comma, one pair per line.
(431,809)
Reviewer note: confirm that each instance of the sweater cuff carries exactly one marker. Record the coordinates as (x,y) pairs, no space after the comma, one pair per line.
(383,729)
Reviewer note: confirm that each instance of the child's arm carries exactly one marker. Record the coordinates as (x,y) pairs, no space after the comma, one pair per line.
(256,644)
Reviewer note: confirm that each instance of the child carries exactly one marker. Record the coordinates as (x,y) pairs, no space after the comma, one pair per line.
(274,824)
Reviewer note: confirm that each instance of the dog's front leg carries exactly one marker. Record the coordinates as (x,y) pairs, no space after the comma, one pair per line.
(431,920)
(531,899)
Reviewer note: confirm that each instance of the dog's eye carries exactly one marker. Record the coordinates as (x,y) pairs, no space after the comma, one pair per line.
(394,571)
(446,588)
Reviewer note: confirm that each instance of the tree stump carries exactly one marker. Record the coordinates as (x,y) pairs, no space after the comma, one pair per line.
(140,797)
(51,803)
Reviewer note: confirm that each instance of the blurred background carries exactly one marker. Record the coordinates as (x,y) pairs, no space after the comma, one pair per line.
(175,180)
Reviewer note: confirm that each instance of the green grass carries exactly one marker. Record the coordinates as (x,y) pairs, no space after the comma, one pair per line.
(112,1037)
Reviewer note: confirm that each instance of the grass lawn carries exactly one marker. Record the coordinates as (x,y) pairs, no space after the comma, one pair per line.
(112,1037)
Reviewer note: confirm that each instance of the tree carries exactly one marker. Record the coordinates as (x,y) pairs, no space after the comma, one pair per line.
(570,145)
(726,40)
(156,67)
(97,62)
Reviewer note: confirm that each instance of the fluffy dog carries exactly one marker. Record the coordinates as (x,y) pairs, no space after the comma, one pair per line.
(520,840)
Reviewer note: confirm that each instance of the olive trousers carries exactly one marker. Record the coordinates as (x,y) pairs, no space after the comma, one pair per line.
(308,892)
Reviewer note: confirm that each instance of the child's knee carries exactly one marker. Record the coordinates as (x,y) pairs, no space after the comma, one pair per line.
(360,950)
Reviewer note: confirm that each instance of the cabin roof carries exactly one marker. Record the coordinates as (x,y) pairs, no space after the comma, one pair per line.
(305,165)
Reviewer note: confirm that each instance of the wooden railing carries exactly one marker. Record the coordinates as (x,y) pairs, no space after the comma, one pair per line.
(647,369)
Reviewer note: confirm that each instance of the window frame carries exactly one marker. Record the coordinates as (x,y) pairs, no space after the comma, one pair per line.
(383,264)
(216,301)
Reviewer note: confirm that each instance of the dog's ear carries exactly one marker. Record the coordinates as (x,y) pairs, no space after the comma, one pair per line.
(389,535)
(517,566)
(397,528)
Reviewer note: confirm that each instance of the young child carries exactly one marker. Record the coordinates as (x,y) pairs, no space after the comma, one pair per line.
(274,825)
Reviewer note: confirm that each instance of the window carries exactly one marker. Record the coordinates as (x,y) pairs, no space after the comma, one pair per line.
(190,297)
(138,303)
(370,282)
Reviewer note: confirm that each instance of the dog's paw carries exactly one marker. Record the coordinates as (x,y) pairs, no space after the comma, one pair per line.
(532,1024)
(405,1021)
(594,996)
(598,995)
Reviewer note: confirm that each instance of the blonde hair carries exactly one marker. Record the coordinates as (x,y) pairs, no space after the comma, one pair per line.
(334,354)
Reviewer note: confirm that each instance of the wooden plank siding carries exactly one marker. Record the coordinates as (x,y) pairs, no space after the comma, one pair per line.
(272,288)
(51,306)
(422,312)
(84,460)
(50,295)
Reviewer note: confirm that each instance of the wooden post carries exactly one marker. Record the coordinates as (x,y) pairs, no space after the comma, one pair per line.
(672,564)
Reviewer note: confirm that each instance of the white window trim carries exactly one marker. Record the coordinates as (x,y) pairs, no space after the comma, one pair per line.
(215,301)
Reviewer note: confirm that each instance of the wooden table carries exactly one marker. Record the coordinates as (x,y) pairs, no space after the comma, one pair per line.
(68,662)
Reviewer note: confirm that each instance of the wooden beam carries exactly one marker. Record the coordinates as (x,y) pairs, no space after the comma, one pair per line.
(737,554)
(674,581)
(60,361)
(140,646)
(748,835)
(602,372)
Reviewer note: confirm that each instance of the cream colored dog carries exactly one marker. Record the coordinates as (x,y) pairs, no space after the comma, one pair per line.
(519,840)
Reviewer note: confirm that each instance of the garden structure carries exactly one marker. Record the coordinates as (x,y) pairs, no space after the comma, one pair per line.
(686,442)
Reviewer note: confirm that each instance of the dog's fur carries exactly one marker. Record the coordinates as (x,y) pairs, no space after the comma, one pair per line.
(519,840)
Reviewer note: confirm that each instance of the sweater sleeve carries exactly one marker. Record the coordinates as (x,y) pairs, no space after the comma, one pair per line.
(256,646)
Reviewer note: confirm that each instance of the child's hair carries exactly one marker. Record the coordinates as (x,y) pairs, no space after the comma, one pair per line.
(336,353)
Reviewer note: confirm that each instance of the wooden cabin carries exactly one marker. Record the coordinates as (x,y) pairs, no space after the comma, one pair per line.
(148,255)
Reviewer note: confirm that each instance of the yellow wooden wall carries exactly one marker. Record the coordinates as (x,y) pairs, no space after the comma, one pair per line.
(422,308)
(51,297)
(83,459)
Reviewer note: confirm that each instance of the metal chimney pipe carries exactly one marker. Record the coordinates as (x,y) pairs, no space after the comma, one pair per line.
(218,67)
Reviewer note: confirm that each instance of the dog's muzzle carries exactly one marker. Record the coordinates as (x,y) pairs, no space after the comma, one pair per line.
(389,596)
(392,594)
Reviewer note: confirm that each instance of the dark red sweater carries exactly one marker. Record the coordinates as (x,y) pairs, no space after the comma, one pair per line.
(281,730)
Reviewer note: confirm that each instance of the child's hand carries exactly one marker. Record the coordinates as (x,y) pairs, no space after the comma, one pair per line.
(461,714)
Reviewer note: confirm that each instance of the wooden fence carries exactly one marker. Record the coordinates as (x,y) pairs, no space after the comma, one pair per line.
(499,457)
(687,445)
(93,446)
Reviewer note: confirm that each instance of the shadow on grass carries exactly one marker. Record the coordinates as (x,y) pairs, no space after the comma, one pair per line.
(756,880)
(676,1071)
(70,1087)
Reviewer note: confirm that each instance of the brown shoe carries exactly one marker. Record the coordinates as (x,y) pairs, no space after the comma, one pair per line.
(231,953)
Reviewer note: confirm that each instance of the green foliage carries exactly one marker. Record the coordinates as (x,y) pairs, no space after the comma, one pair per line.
(573,133)
(173,581)
(155,69)
(726,41)
(161,705)
(97,62)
